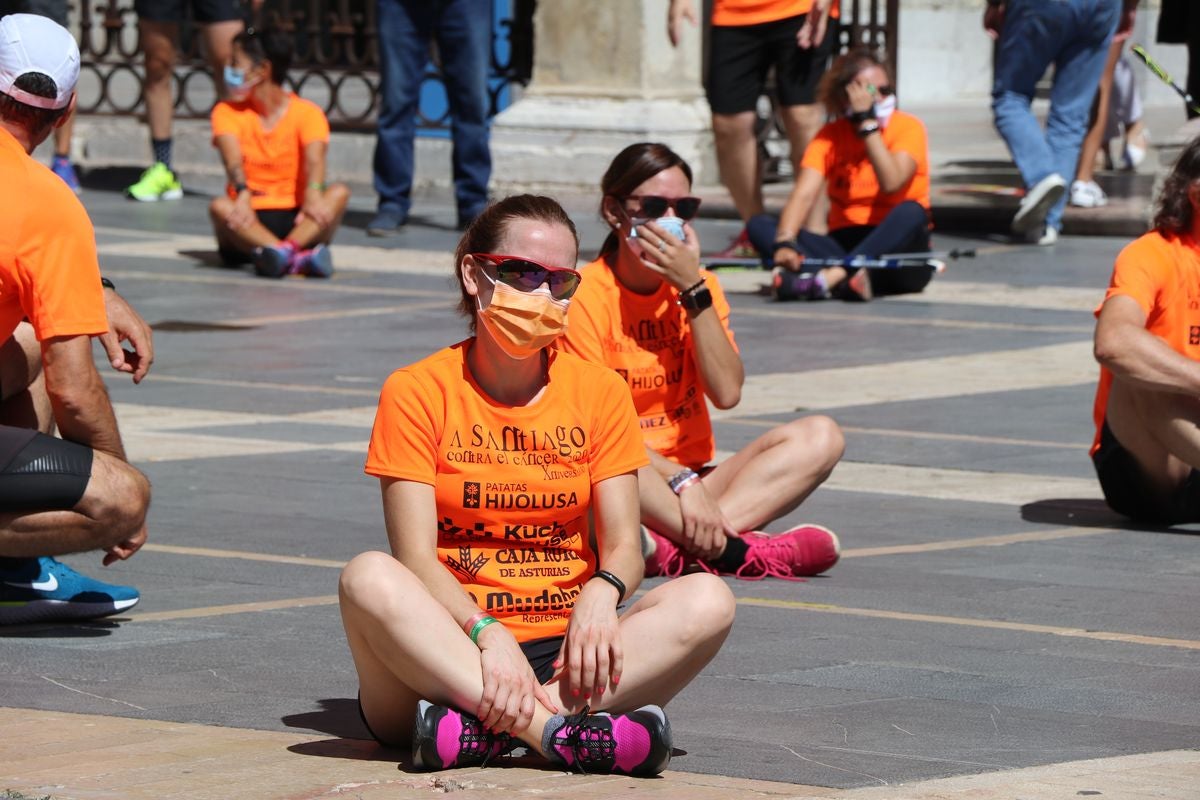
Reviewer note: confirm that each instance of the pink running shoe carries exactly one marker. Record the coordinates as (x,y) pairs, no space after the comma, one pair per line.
(637,743)
(739,247)
(803,550)
(444,738)
(666,559)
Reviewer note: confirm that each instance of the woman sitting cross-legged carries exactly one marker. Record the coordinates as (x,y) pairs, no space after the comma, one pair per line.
(509,478)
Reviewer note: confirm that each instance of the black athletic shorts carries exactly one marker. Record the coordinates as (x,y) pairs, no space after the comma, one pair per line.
(40,472)
(1127,491)
(203,11)
(279,221)
(54,9)
(540,653)
(740,57)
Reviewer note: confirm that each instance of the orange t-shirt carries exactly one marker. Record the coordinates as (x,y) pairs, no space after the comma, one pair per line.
(647,339)
(274,159)
(49,273)
(755,12)
(513,484)
(1162,273)
(854,194)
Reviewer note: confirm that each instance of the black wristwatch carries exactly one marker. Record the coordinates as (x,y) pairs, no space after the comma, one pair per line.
(861,116)
(696,300)
(238,188)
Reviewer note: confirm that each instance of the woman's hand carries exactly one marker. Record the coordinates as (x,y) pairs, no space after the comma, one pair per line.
(704,525)
(678,262)
(789,259)
(860,95)
(242,213)
(591,657)
(510,689)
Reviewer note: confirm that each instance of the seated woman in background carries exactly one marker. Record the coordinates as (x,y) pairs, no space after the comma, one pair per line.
(509,478)
(873,161)
(279,213)
(646,310)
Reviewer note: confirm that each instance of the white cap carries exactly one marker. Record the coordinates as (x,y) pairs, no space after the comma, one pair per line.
(32,43)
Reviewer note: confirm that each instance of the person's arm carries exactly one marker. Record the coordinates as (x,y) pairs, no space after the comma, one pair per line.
(704,524)
(315,207)
(791,220)
(892,170)
(591,656)
(679,11)
(82,410)
(993,18)
(812,32)
(235,173)
(1133,354)
(126,325)
(509,685)
(717,360)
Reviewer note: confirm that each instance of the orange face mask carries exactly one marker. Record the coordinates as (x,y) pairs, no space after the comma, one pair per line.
(522,323)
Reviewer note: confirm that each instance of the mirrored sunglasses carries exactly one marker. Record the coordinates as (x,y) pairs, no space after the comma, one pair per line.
(527,275)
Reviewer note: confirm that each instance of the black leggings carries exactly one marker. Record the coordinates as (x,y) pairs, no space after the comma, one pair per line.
(40,472)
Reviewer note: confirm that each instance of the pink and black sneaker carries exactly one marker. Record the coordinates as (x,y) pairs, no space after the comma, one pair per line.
(803,550)
(637,743)
(665,559)
(444,738)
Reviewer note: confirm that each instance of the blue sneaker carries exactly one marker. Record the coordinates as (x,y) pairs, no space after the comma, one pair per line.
(317,262)
(63,168)
(273,262)
(42,589)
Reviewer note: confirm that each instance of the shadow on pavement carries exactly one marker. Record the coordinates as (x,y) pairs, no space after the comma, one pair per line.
(1089,513)
(60,630)
(353,750)
(337,716)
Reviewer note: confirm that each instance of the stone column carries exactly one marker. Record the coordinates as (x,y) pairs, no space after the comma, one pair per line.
(605,76)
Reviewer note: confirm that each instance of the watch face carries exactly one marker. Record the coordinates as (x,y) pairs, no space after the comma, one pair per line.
(698,301)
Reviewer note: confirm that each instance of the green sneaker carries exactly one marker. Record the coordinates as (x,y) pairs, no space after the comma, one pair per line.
(156,183)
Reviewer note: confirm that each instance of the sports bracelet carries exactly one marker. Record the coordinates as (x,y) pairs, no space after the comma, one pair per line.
(682,479)
(470,623)
(320,187)
(790,244)
(616,582)
(694,287)
(479,626)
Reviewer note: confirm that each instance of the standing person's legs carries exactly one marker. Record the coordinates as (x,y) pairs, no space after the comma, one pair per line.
(798,72)
(1077,71)
(737,71)
(405,28)
(1084,191)
(464,36)
(158,32)
(221,21)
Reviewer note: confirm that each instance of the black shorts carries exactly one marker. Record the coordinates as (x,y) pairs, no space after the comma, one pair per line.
(40,472)
(540,653)
(740,57)
(54,9)
(279,221)
(203,11)
(1127,491)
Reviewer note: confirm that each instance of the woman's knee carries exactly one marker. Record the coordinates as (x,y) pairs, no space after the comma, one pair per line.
(707,607)
(818,436)
(372,576)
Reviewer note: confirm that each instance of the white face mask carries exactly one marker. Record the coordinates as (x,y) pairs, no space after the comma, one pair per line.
(884,109)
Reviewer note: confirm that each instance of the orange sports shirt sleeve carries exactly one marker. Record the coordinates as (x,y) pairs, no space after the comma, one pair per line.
(312,125)
(513,485)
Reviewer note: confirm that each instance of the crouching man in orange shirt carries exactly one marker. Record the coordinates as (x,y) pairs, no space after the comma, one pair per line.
(1147,412)
(279,212)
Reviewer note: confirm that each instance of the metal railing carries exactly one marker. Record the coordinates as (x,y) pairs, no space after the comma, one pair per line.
(335,63)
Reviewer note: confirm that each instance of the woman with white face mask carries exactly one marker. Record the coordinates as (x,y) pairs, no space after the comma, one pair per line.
(509,478)
(873,162)
(648,311)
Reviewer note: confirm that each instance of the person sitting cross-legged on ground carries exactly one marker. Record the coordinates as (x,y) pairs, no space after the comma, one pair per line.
(873,162)
(279,212)
(76,493)
(509,478)
(647,310)
(1147,412)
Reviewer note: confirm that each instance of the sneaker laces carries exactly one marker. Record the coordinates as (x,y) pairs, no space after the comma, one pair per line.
(589,738)
(767,557)
(475,741)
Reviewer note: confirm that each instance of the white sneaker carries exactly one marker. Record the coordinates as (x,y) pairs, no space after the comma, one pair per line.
(1048,237)
(1036,203)
(1133,154)
(1087,194)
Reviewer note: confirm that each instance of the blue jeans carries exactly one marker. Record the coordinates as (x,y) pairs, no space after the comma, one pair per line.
(1074,36)
(463,30)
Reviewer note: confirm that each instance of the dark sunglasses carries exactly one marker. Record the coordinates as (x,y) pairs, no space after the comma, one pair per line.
(885,91)
(653,205)
(527,275)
